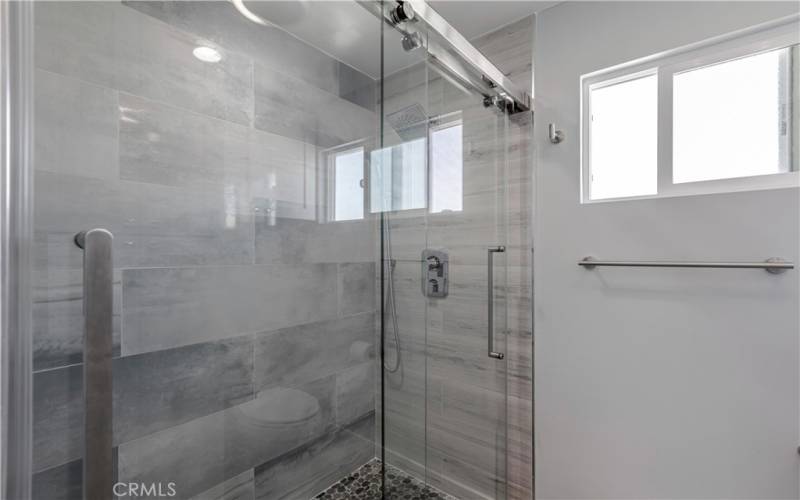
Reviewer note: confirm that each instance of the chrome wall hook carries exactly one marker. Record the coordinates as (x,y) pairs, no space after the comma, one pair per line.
(556,136)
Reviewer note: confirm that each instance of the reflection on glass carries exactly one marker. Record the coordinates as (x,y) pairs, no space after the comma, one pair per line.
(207,54)
(730,119)
(398,177)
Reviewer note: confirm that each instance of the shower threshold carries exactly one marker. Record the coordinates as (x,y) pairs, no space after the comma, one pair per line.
(365,484)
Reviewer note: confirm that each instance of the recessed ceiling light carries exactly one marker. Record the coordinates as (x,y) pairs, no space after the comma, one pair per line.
(207,54)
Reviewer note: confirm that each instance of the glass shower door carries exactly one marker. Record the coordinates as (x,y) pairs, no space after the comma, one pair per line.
(446,248)
(466,421)
(234,300)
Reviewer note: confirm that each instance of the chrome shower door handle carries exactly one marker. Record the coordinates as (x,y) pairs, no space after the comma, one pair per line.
(490,265)
(98,310)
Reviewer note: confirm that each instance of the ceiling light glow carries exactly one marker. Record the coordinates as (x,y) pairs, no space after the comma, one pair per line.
(243,10)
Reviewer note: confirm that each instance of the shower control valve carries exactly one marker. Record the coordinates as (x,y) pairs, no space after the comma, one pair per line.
(434,273)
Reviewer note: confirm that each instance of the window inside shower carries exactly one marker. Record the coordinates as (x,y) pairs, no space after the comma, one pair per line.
(423,173)
(346,174)
(447,167)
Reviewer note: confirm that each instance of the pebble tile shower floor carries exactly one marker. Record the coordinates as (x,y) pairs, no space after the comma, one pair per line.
(365,484)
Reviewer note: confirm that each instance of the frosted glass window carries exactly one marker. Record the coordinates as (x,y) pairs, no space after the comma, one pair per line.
(447,169)
(348,193)
(713,119)
(730,119)
(624,139)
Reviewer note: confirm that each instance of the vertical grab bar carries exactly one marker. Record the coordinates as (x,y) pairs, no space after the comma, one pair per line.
(98,300)
(490,264)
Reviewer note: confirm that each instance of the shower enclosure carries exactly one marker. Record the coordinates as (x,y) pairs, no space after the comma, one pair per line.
(265,259)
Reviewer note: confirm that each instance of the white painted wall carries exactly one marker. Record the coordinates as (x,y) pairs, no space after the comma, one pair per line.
(657,383)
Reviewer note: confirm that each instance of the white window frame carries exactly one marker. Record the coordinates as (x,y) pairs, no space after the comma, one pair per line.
(416,211)
(329,180)
(665,66)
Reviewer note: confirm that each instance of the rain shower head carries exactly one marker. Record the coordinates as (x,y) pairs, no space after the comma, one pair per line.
(407,121)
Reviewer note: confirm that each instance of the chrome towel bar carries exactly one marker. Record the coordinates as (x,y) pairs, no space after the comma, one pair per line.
(772,265)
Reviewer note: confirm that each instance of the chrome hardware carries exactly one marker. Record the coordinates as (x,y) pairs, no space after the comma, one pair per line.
(401,13)
(500,101)
(773,265)
(98,300)
(449,50)
(490,265)
(556,136)
(411,41)
(435,271)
